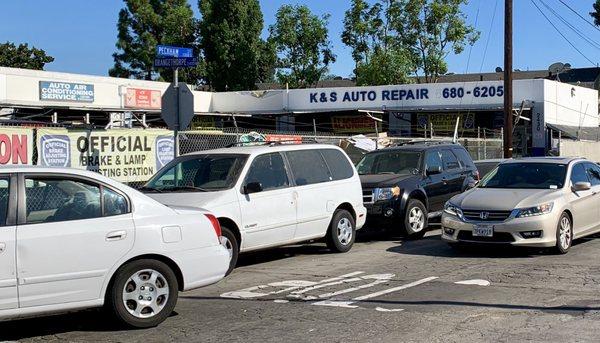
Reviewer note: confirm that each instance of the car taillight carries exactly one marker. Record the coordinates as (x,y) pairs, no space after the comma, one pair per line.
(215,223)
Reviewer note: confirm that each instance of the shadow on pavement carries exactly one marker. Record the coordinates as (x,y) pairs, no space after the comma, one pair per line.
(433,245)
(574,309)
(92,320)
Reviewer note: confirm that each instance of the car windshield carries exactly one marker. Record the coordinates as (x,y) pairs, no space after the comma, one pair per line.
(390,162)
(526,176)
(199,173)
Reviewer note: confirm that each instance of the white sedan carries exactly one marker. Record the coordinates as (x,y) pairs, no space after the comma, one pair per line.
(73,239)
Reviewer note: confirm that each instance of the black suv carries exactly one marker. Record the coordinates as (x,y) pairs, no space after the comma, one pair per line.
(407,185)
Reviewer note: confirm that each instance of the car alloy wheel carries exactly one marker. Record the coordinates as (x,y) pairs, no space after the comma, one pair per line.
(564,234)
(416,219)
(228,245)
(145,293)
(344,229)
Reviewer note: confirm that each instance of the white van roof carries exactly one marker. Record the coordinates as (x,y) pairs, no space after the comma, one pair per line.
(261,149)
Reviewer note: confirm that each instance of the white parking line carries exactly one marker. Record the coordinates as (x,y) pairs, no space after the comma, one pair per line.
(290,286)
(477,282)
(348,304)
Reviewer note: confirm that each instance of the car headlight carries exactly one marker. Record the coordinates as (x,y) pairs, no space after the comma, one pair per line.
(536,210)
(452,209)
(385,193)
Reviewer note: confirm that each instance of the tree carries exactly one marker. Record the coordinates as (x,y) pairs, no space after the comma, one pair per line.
(23,57)
(301,40)
(142,25)
(596,13)
(384,68)
(377,49)
(431,29)
(236,57)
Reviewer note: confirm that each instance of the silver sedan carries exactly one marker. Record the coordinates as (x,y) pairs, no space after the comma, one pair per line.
(533,202)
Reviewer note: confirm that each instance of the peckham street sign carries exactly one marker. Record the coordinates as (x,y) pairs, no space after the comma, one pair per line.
(173,51)
(174,57)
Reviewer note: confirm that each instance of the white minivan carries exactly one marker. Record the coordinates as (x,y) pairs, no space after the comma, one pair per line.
(268,195)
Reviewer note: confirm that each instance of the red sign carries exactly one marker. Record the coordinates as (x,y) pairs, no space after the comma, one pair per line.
(15,146)
(288,139)
(142,98)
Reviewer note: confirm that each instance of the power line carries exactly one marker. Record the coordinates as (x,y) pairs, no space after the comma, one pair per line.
(560,33)
(487,43)
(579,15)
(571,26)
(471,47)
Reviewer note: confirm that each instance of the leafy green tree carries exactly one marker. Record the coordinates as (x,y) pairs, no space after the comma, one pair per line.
(142,25)
(596,13)
(236,57)
(384,68)
(377,48)
(431,29)
(301,40)
(23,57)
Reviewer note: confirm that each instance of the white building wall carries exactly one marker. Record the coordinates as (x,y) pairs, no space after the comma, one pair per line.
(566,104)
(22,89)
(555,102)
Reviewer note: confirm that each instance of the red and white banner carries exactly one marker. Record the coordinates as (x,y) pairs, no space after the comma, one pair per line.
(16,146)
(289,139)
(142,98)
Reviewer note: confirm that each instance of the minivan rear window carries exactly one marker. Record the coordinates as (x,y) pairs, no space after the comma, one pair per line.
(308,167)
(338,164)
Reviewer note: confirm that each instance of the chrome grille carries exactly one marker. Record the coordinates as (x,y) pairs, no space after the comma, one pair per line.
(367,196)
(492,216)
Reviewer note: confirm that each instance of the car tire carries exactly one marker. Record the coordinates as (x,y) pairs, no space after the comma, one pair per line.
(143,293)
(564,234)
(230,241)
(342,231)
(415,219)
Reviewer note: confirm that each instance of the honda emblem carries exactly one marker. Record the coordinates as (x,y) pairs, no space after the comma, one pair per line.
(484,215)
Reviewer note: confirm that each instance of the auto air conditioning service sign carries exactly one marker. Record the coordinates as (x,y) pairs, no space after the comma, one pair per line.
(66,91)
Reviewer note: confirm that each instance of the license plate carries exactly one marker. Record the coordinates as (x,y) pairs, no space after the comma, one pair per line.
(374,209)
(483,231)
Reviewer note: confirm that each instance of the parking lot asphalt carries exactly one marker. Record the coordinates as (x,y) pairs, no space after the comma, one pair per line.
(383,290)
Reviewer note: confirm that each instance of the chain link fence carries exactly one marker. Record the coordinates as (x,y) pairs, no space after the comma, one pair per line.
(210,138)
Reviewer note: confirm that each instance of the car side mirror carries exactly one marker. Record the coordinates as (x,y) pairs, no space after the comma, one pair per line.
(253,187)
(582,186)
(471,185)
(433,170)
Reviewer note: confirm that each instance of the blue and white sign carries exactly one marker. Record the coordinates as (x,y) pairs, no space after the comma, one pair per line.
(174,57)
(173,51)
(165,150)
(55,151)
(66,91)
(172,62)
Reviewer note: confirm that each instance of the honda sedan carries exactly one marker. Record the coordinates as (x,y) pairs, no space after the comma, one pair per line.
(534,202)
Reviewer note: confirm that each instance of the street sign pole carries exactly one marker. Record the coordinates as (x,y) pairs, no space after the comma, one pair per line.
(177,108)
(177,120)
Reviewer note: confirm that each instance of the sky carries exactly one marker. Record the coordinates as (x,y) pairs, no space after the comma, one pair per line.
(81,34)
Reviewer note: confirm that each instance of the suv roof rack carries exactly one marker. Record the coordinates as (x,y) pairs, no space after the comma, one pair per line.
(424,142)
(274,143)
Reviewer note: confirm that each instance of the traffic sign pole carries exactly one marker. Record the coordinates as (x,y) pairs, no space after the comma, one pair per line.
(177,120)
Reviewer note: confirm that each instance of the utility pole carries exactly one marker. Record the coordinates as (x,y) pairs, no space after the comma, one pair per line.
(508,78)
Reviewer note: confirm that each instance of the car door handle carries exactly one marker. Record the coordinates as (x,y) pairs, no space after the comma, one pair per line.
(444,180)
(2,247)
(116,235)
